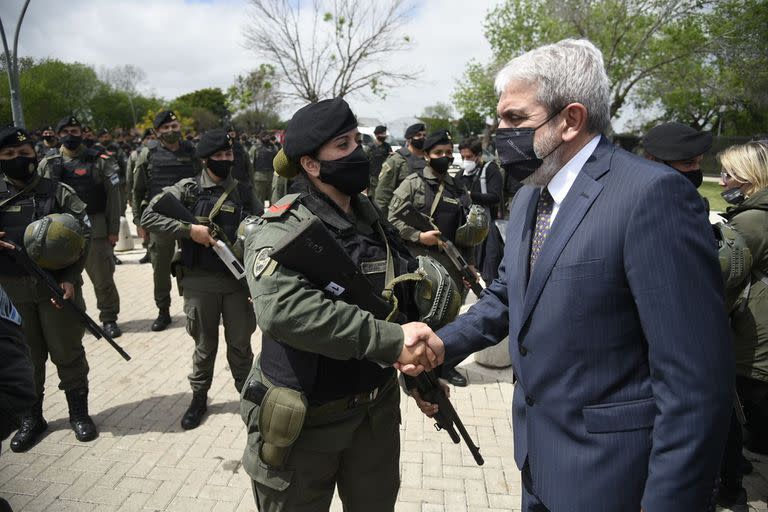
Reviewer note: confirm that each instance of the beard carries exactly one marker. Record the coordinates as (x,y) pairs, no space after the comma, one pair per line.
(550,145)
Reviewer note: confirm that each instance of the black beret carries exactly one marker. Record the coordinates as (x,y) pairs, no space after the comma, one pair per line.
(86,129)
(315,124)
(438,137)
(676,141)
(103,131)
(380,129)
(48,128)
(213,141)
(414,129)
(165,116)
(11,136)
(147,133)
(67,121)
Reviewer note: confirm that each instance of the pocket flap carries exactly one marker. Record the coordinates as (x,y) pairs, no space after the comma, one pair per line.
(578,270)
(620,416)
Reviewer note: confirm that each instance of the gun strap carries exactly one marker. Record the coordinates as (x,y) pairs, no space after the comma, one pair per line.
(220,202)
(389,275)
(436,201)
(29,186)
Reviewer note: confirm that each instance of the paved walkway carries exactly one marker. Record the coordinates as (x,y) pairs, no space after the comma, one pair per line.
(143,460)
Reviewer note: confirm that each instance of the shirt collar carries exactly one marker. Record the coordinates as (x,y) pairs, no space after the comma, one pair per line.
(207,182)
(562,182)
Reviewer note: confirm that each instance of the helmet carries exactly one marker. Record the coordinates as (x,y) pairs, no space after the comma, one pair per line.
(55,241)
(437,298)
(735,262)
(473,232)
(246,227)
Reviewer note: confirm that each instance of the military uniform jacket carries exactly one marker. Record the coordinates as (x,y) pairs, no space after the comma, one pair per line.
(261,156)
(336,345)
(44,198)
(378,154)
(184,160)
(394,170)
(493,183)
(94,177)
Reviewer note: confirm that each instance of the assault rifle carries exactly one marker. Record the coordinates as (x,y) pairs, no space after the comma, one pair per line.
(312,251)
(23,259)
(169,206)
(411,216)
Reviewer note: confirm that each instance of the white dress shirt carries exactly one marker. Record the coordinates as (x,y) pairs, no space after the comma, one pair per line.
(562,182)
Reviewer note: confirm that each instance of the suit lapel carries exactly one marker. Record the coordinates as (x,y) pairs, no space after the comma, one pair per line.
(577,202)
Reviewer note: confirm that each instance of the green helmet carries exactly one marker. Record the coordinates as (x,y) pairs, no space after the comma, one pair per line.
(437,298)
(55,241)
(473,232)
(246,227)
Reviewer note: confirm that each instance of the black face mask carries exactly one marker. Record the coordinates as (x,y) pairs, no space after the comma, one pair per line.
(220,168)
(417,143)
(695,177)
(172,137)
(50,139)
(349,174)
(733,196)
(381,138)
(89,142)
(516,152)
(21,168)
(71,142)
(441,165)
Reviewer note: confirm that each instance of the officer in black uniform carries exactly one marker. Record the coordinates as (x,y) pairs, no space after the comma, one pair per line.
(400,164)
(211,292)
(159,166)
(241,167)
(378,151)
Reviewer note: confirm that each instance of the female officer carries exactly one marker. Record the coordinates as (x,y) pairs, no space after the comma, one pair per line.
(321,403)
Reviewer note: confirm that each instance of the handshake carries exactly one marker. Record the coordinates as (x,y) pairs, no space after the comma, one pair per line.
(422,349)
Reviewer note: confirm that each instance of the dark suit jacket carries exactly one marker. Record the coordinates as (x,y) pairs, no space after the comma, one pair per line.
(619,341)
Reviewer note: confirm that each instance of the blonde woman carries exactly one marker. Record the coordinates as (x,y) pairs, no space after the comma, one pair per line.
(744,175)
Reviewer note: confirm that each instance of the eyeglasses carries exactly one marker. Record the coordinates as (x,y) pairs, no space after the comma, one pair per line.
(725,176)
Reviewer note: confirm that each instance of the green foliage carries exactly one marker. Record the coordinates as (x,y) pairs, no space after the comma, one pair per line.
(210,98)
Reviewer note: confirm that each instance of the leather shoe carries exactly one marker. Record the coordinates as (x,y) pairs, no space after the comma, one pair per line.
(455,378)
(112,329)
(32,427)
(79,419)
(144,259)
(731,498)
(162,321)
(195,411)
(117,260)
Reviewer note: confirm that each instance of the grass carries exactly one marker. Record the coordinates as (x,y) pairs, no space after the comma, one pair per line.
(711,190)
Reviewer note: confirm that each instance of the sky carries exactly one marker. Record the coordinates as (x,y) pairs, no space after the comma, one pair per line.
(184,45)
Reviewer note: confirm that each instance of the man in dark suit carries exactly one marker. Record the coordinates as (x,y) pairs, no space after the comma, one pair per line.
(611,295)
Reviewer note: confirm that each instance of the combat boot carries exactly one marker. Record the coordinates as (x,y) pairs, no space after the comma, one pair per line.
(145,258)
(112,329)
(162,321)
(32,426)
(196,410)
(81,422)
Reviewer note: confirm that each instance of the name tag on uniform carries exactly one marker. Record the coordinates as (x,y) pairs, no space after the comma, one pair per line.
(334,288)
(373,267)
(450,200)
(114,179)
(13,209)
(228,209)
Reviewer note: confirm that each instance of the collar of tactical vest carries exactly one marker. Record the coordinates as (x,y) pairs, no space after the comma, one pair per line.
(207,182)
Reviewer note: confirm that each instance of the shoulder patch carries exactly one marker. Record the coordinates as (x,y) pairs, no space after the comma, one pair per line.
(278,209)
(262,261)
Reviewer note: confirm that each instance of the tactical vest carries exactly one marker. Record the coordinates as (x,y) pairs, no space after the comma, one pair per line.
(231,213)
(166,168)
(21,212)
(264,156)
(378,154)
(320,378)
(449,214)
(240,165)
(415,163)
(79,173)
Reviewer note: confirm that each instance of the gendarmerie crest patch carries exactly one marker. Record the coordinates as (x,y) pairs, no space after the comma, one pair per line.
(262,262)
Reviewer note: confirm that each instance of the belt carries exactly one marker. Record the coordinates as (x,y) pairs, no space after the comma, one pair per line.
(350,402)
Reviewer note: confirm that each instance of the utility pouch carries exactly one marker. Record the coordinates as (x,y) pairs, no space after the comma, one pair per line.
(281,418)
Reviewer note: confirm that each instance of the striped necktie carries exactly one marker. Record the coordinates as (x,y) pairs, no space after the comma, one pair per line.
(543,221)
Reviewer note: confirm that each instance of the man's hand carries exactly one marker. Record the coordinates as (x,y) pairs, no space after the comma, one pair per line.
(69,292)
(429,238)
(113,239)
(202,235)
(4,244)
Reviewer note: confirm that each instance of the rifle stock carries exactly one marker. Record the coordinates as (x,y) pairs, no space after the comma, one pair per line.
(35,270)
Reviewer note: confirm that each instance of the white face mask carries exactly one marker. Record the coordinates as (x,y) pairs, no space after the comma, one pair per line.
(468,165)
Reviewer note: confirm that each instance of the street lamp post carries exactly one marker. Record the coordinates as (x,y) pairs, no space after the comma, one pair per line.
(12,68)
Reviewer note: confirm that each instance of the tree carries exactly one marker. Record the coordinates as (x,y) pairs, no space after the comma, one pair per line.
(437,117)
(125,79)
(640,39)
(211,99)
(333,49)
(256,91)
